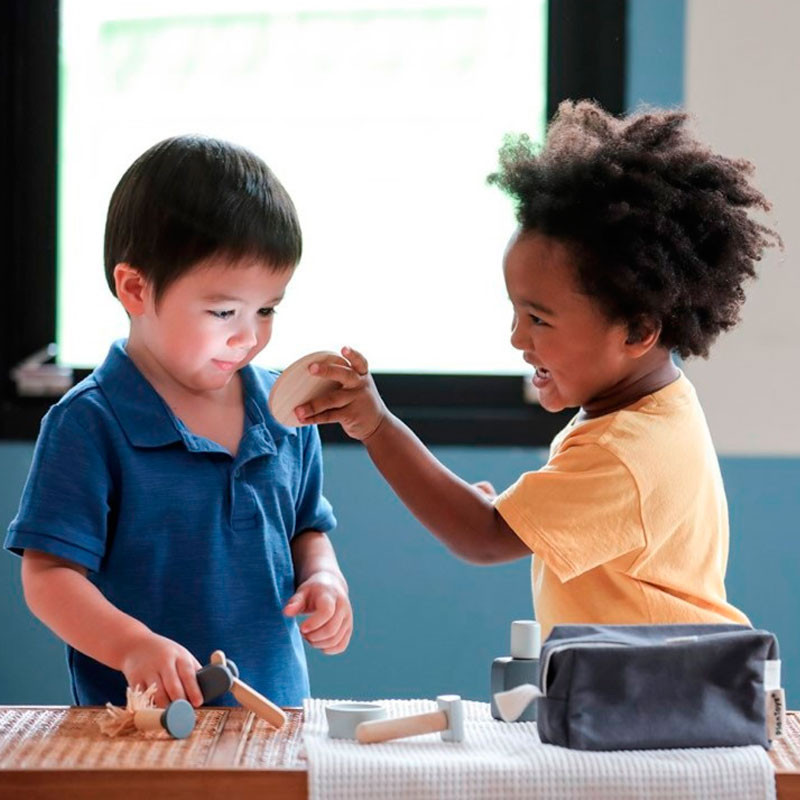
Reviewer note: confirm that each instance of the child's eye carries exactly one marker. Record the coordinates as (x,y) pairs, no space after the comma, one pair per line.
(536,320)
(222,314)
(266,312)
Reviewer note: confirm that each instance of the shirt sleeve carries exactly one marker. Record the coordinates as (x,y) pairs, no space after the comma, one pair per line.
(581,510)
(65,503)
(313,511)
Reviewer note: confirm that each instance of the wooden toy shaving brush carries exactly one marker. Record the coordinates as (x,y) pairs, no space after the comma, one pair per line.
(140,713)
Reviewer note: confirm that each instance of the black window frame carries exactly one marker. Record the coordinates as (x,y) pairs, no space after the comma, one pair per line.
(586,59)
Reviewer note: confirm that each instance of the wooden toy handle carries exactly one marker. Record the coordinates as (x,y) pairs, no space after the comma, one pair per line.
(257,703)
(382,730)
(148,719)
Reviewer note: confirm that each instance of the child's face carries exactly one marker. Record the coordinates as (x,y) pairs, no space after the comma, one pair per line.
(578,353)
(212,321)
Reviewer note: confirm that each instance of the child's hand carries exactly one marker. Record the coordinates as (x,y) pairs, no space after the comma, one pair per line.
(357,406)
(330,623)
(171,667)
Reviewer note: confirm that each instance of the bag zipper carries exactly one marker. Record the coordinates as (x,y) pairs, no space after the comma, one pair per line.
(566,644)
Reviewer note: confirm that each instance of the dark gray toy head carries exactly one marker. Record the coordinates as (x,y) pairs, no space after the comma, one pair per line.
(231,665)
(178,719)
(214,680)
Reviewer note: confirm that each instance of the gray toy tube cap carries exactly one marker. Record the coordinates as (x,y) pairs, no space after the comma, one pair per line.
(178,719)
(526,639)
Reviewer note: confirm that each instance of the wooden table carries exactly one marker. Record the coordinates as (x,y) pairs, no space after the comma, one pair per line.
(57,752)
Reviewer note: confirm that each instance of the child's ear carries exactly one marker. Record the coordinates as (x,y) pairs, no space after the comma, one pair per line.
(131,288)
(643,335)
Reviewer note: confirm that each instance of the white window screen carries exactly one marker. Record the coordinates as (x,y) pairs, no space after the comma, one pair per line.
(381,120)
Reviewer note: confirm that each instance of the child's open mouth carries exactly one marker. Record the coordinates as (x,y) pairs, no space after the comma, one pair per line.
(541,377)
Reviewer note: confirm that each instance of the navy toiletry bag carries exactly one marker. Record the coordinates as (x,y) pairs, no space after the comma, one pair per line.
(632,687)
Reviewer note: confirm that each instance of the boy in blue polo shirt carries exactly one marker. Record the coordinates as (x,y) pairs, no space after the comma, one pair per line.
(166,513)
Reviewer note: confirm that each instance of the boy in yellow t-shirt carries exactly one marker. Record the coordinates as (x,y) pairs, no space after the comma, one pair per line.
(634,241)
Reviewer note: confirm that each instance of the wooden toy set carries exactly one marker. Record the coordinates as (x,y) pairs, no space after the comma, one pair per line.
(221,675)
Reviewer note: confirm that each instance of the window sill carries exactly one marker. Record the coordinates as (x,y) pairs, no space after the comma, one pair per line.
(530,426)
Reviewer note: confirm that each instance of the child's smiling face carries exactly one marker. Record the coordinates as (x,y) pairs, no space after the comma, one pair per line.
(579,354)
(211,321)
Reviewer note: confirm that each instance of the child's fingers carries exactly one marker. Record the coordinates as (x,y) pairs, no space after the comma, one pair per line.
(330,402)
(329,631)
(173,687)
(322,418)
(341,645)
(338,641)
(358,361)
(325,417)
(335,641)
(296,604)
(346,376)
(324,609)
(187,672)
(160,698)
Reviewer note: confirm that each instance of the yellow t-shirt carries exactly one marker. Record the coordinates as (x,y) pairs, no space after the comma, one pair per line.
(628,519)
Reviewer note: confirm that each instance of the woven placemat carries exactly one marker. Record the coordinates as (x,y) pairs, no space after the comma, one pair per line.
(262,747)
(785,752)
(69,738)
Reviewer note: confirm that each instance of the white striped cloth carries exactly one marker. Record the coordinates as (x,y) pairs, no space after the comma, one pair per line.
(507,761)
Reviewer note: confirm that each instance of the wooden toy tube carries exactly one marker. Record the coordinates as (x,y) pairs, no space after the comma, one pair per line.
(218,657)
(385,729)
(149,719)
(177,719)
(258,704)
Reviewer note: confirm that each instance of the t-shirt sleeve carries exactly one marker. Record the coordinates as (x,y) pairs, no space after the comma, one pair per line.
(66,499)
(581,510)
(313,511)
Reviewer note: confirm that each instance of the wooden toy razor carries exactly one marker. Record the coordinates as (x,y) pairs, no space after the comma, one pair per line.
(222,675)
(448,721)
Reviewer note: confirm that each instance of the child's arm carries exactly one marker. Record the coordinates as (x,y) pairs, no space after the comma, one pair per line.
(321,592)
(459,514)
(61,596)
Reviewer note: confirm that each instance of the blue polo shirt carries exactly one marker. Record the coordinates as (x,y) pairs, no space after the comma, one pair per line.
(174,530)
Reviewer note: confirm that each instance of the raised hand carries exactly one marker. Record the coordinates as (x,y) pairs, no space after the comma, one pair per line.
(329,626)
(356,406)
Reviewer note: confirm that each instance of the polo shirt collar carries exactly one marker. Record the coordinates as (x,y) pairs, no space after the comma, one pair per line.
(147,420)
(256,385)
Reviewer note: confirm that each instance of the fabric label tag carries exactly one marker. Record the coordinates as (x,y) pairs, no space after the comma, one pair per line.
(772,675)
(776,713)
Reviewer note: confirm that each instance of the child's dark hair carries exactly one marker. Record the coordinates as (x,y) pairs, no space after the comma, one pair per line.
(190,197)
(660,225)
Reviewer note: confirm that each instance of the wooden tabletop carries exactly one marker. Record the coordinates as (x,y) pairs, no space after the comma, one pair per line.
(49,752)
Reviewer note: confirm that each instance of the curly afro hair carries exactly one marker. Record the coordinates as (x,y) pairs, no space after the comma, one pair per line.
(661,226)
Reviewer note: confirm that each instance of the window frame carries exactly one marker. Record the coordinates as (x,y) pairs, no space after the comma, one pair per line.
(586,59)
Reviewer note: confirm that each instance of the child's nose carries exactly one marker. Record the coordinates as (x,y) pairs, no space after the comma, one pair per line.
(519,340)
(244,337)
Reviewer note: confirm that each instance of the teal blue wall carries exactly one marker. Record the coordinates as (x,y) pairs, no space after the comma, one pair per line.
(655,52)
(426,623)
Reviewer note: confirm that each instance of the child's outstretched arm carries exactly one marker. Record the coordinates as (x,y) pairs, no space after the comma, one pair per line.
(462,516)
(62,597)
(322,593)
